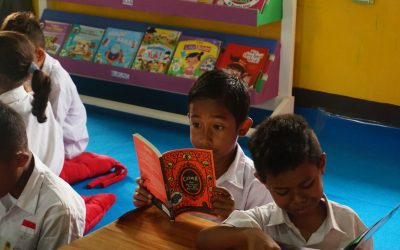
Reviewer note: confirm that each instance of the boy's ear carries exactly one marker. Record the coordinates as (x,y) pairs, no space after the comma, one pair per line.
(22,158)
(245,126)
(40,56)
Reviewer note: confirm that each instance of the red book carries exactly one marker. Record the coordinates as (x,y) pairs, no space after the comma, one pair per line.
(179,180)
(245,62)
(253,4)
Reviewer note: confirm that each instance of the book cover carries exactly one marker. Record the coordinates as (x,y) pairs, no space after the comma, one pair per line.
(156,50)
(253,4)
(245,62)
(118,47)
(54,35)
(179,180)
(194,56)
(82,42)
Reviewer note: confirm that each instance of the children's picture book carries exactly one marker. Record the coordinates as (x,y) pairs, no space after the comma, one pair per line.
(156,50)
(245,62)
(118,47)
(254,4)
(82,42)
(54,35)
(360,239)
(179,180)
(194,56)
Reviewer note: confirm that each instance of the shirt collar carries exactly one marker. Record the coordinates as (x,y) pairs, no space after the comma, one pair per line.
(28,200)
(235,173)
(278,216)
(13,95)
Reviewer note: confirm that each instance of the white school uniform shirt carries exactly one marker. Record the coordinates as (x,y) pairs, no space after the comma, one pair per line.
(47,214)
(67,108)
(341,226)
(44,139)
(247,191)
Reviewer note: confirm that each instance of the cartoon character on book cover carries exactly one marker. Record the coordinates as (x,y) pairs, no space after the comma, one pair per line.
(118,47)
(54,35)
(82,42)
(244,62)
(156,49)
(194,56)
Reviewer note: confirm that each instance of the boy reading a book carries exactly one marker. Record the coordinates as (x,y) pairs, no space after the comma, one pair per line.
(38,210)
(289,161)
(64,98)
(218,114)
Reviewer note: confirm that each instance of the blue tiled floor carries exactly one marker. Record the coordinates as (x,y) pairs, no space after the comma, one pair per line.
(363,167)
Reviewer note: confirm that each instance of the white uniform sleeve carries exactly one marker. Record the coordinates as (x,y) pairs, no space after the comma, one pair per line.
(242,219)
(59,97)
(60,228)
(257,195)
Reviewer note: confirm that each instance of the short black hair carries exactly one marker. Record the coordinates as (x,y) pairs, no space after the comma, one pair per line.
(12,133)
(26,23)
(282,143)
(229,90)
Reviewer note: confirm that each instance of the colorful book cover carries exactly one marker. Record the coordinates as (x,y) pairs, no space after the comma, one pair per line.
(245,62)
(54,35)
(194,56)
(156,50)
(179,180)
(82,42)
(118,47)
(253,4)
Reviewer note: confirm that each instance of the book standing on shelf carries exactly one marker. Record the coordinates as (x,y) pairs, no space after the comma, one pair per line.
(245,62)
(253,4)
(179,180)
(156,50)
(54,35)
(82,42)
(118,47)
(194,56)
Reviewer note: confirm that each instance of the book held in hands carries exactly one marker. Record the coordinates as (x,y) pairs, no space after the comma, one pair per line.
(179,180)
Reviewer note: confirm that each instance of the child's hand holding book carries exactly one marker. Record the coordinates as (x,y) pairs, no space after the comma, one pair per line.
(141,196)
(223,203)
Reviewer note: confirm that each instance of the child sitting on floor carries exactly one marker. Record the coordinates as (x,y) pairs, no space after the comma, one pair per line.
(218,114)
(38,210)
(64,98)
(17,66)
(289,161)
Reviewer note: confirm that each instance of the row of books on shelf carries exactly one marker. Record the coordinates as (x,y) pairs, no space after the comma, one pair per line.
(253,4)
(156,50)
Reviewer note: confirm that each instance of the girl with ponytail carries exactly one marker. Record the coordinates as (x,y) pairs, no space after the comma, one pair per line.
(17,66)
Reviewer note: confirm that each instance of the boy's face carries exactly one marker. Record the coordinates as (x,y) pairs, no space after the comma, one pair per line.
(212,126)
(298,191)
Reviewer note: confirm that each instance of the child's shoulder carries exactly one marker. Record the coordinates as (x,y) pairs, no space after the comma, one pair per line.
(346,217)
(56,192)
(342,210)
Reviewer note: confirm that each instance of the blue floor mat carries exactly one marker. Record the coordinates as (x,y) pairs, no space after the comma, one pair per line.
(363,161)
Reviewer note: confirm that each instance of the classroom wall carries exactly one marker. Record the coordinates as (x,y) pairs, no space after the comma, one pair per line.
(349,49)
(342,47)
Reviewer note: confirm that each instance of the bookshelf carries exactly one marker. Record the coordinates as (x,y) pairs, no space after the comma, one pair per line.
(276,96)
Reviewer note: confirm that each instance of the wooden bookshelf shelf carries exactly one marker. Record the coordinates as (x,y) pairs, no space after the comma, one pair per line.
(272,10)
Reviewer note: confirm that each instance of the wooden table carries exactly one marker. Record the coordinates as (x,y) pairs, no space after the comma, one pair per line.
(144,228)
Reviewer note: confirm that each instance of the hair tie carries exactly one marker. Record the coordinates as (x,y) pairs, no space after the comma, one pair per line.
(32,68)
